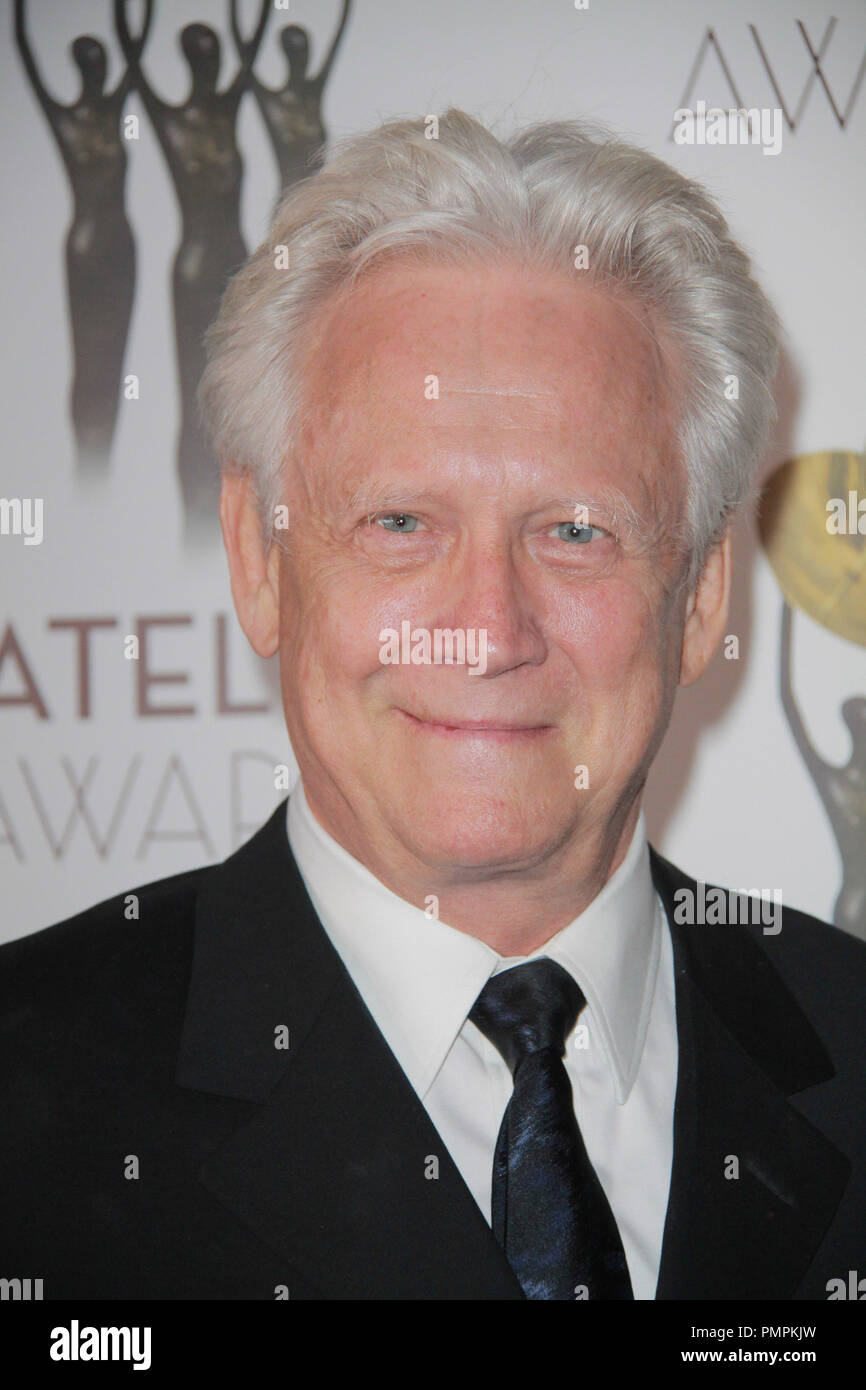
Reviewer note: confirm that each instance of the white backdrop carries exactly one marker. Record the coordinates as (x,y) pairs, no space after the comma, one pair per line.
(729,798)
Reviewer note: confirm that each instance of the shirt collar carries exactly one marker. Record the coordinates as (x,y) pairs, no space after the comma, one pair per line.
(420,977)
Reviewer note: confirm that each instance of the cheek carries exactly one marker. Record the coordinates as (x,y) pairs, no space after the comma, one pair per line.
(330,627)
(610,631)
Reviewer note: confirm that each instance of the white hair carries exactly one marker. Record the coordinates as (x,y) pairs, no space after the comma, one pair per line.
(467,196)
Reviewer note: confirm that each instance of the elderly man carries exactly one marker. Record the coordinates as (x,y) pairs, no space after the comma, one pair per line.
(447,1026)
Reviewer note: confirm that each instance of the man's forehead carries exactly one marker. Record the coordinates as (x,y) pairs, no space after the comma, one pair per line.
(479,331)
(426,370)
(576,397)
(517,406)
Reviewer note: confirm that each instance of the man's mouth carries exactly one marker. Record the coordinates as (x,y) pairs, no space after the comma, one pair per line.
(491,727)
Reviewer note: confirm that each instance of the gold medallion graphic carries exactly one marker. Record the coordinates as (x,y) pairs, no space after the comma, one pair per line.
(808,524)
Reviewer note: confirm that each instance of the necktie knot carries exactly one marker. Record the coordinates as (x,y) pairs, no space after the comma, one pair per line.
(528,1009)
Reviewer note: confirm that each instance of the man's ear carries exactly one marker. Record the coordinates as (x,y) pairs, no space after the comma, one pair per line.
(254,570)
(707,612)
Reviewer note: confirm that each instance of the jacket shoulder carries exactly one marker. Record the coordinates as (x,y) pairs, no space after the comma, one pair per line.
(792,935)
(822,967)
(126,948)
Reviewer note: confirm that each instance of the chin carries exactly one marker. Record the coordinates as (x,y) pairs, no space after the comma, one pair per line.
(466,828)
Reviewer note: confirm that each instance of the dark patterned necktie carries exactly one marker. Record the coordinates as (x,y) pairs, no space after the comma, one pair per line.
(549,1211)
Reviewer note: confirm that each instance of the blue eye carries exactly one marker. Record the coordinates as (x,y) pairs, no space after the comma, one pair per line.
(403,522)
(568,531)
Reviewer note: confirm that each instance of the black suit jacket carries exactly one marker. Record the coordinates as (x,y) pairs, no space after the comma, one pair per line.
(158,1145)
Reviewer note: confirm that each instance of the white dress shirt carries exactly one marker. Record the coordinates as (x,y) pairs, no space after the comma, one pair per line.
(419,978)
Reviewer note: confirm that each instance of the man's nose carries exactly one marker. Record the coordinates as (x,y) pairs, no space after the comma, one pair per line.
(489,593)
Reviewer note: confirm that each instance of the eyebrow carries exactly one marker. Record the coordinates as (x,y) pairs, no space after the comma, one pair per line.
(612,504)
(609,502)
(369,498)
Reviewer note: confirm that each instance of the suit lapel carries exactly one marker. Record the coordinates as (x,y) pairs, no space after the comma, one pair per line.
(744,1047)
(332,1171)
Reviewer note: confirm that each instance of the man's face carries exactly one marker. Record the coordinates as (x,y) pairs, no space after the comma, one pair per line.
(551,396)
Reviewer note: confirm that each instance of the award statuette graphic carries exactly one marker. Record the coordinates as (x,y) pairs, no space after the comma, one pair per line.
(821,569)
(100,249)
(293,113)
(199,142)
